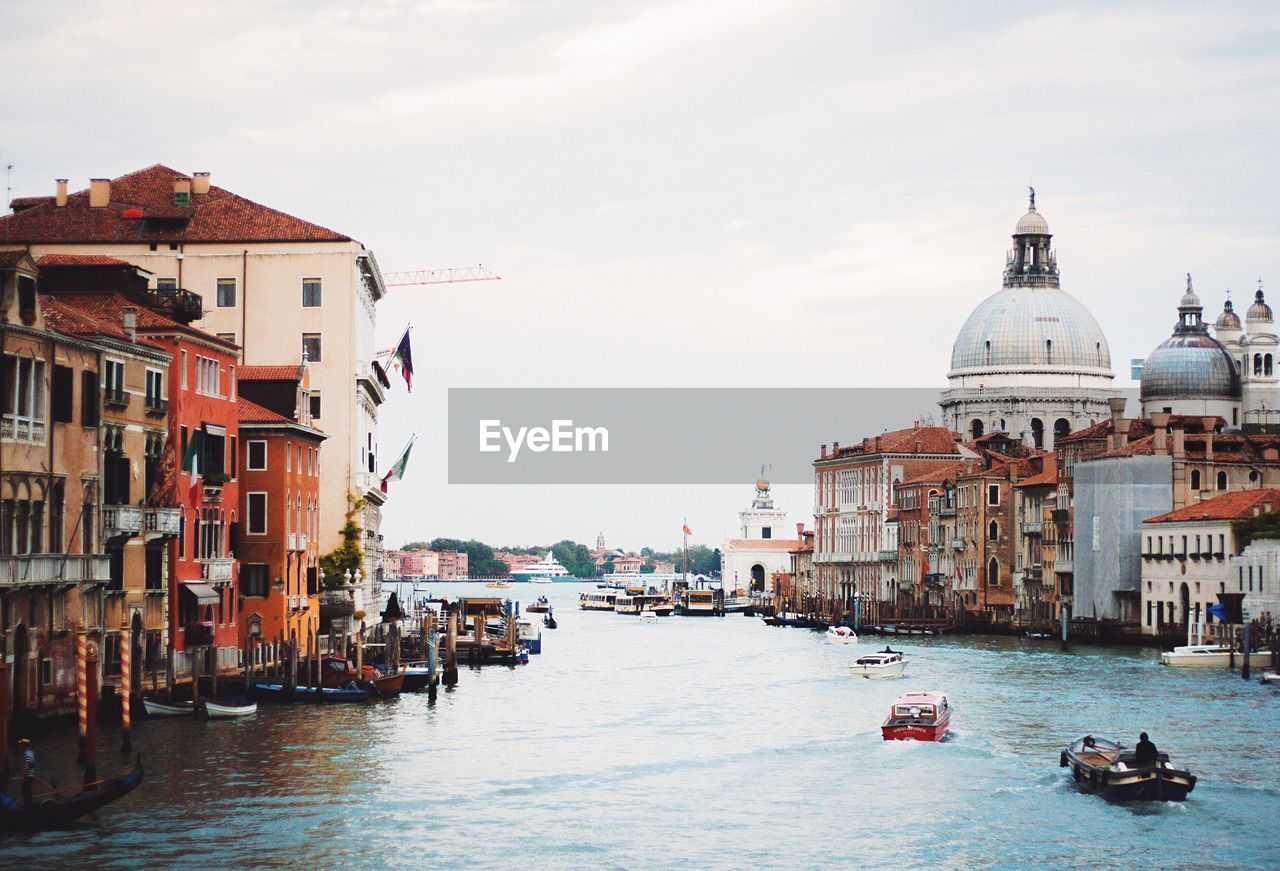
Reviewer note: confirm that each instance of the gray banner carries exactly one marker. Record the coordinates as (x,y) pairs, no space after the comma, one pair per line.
(664,435)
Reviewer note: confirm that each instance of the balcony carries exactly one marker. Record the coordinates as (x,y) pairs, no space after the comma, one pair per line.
(947,511)
(183,305)
(162,521)
(293,603)
(198,632)
(1064,566)
(1060,515)
(14,428)
(958,543)
(115,397)
(297,541)
(49,568)
(156,406)
(887,555)
(121,520)
(218,569)
(1031,527)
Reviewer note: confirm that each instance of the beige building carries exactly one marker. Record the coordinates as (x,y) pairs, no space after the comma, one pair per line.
(280,287)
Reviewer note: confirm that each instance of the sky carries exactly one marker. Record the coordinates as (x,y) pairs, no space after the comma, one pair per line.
(702,193)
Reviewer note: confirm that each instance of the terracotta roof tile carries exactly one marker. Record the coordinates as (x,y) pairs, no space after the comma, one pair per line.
(251,412)
(1047,477)
(915,440)
(1228,506)
(111,307)
(79,260)
(10,259)
(270,373)
(218,216)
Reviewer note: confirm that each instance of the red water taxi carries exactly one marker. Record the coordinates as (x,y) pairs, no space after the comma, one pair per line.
(918,716)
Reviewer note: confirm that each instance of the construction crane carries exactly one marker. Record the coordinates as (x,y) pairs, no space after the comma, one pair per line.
(453,275)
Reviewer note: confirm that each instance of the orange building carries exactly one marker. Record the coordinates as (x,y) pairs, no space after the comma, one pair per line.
(280,490)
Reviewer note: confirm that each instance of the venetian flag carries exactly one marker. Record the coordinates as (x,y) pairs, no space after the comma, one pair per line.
(403,356)
(191,459)
(397,470)
(687,530)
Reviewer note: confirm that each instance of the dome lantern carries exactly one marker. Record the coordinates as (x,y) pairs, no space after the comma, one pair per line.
(1031,262)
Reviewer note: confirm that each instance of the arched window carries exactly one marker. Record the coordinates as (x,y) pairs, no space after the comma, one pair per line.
(1257,364)
(993,573)
(976,428)
(993,531)
(1222,480)
(988,361)
(1266,364)
(1195,479)
(1048,350)
(1061,428)
(1037,432)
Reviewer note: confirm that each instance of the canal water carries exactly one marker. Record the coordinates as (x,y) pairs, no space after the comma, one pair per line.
(696,743)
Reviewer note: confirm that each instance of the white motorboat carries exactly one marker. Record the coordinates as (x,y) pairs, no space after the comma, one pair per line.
(1211,656)
(648,616)
(168,709)
(842,635)
(228,709)
(884,665)
(1272,677)
(544,571)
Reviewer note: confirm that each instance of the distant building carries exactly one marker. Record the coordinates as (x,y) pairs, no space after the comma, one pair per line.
(452,565)
(762,547)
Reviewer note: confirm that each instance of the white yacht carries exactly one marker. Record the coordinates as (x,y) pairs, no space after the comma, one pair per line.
(878,666)
(544,571)
(1211,656)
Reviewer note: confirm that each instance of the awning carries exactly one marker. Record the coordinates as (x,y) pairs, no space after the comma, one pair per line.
(214,429)
(205,594)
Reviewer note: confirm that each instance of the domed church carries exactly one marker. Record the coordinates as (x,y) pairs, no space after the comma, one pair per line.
(1030,361)
(1231,375)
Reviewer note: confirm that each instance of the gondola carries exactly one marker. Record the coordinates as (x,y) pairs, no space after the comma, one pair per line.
(58,810)
(1102,766)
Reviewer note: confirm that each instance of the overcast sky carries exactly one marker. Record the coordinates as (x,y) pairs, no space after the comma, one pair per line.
(685,194)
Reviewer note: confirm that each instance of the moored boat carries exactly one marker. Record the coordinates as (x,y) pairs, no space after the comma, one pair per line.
(1271,677)
(635,603)
(386,686)
(528,634)
(918,716)
(168,709)
(52,811)
(879,666)
(842,635)
(598,600)
(1103,766)
(275,690)
(417,675)
(228,708)
(1210,656)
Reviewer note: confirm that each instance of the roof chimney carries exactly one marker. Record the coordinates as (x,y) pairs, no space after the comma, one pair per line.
(1117,404)
(1179,442)
(131,322)
(99,192)
(60,197)
(199,183)
(181,190)
(823,454)
(800,528)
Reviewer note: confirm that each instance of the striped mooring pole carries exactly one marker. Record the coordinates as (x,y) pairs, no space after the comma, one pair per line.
(126,688)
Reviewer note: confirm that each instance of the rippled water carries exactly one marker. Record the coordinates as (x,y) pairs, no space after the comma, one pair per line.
(705,743)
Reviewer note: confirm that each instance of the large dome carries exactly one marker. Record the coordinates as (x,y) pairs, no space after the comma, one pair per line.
(1190,366)
(1039,329)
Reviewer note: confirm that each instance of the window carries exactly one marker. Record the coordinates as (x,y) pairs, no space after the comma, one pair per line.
(314,400)
(226,292)
(311,347)
(113,382)
(310,293)
(1195,479)
(766,532)
(63,386)
(231,382)
(993,494)
(234,458)
(184,369)
(166,284)
(254,580)
(256,457)
(993,573)
(154,392)
(22,385)
(1222,480)
(256,510)
(27,299)
(208,374)
(993,531)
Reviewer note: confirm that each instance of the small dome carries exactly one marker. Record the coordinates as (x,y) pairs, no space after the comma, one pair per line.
(1259,311)
(1032,223)
(1228,320)
(1190,365)
(1190,300)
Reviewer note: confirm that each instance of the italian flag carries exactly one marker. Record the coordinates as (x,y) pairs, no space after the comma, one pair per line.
(397,470)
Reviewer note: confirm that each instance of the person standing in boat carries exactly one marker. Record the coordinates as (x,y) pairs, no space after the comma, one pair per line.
(28,770)
(1145,753)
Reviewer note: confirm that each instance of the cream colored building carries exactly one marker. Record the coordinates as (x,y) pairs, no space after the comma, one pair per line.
(278,286)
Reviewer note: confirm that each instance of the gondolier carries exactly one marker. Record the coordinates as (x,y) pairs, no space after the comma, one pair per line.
(28,770)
